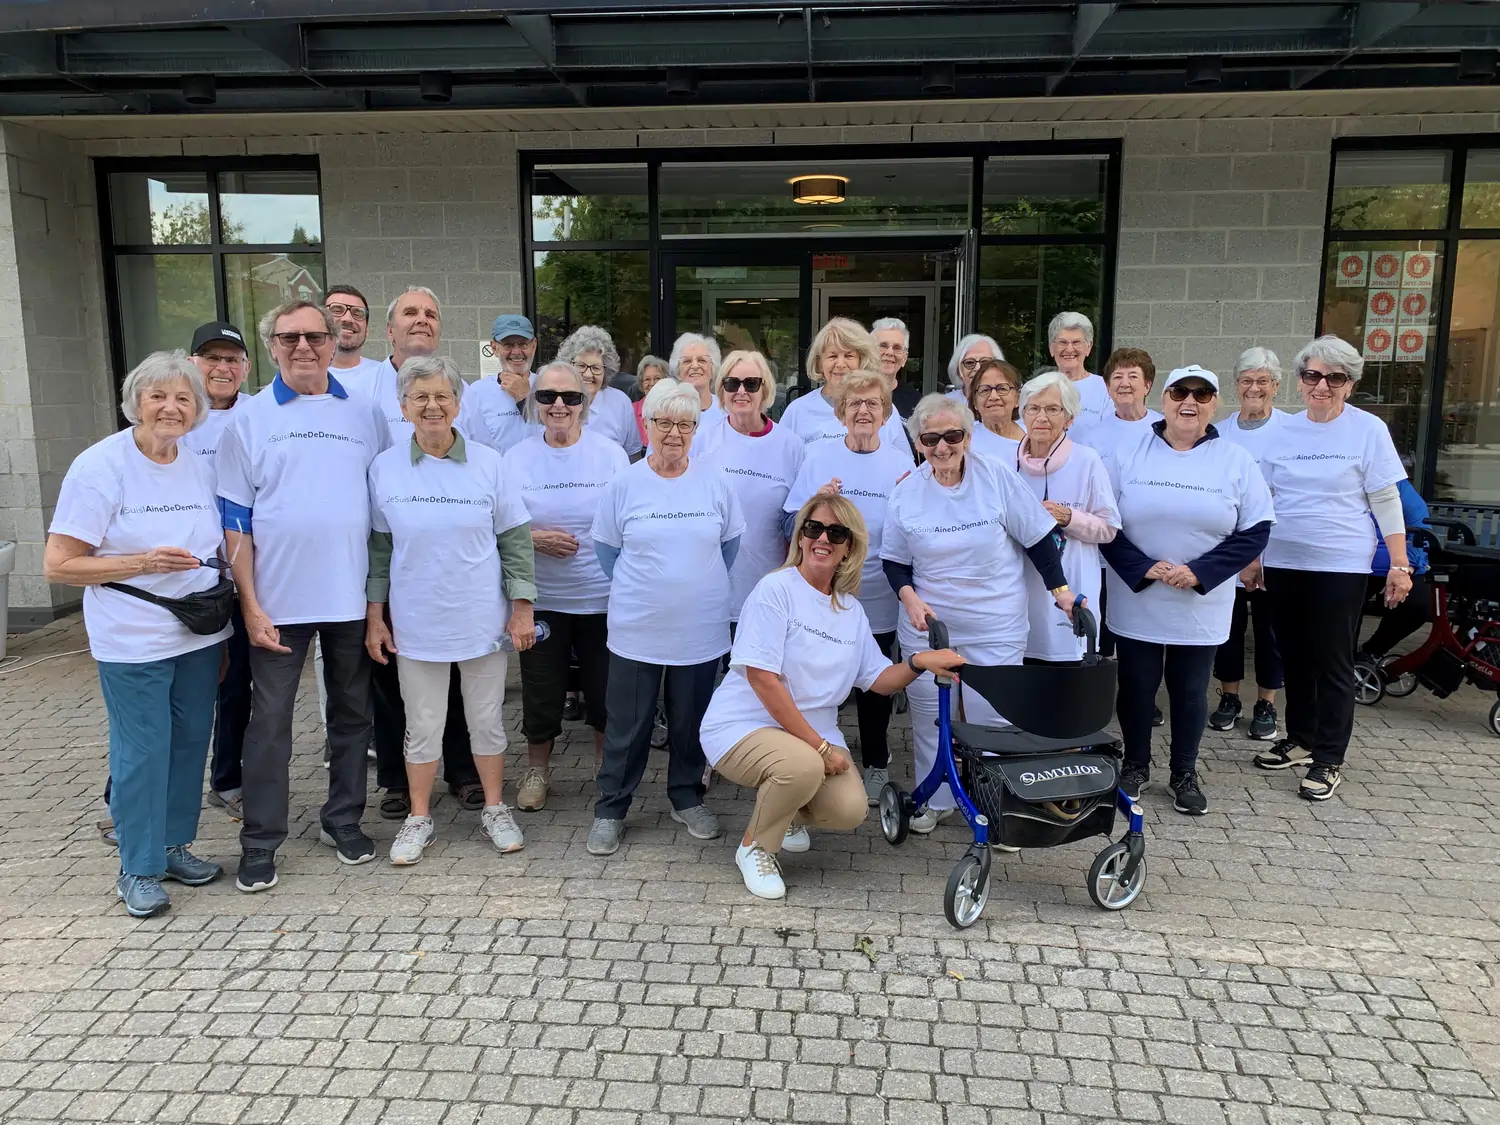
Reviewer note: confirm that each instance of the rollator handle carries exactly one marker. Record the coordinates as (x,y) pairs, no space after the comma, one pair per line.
(1085,625)
(937,638)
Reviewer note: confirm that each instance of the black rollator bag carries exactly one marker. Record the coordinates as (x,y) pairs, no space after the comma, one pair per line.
(204,613)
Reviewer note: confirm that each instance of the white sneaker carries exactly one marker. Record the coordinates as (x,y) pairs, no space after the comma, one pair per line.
(796,839)
(411,840)
(876,779)
(928,819)
(500,825)
(761,871)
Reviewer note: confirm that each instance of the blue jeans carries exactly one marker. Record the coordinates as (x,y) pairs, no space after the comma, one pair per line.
(160,716)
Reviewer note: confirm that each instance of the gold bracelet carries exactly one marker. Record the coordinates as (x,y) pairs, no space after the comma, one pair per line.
(824,749)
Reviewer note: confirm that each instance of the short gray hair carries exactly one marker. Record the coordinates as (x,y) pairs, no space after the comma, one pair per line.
(651,361)
(589,338)
(894,324)
(1065,320)
(267,325)
(425,367)
(1258,359)
(962,349)
(157,370)
(530,409)
(390,310)
(1067,391)
(681,345)
(1333,351)
(672,399)
(936,405)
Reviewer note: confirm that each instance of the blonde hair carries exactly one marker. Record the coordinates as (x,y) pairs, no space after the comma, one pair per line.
(863,381)
(762,369)
(844,333)
(846,576)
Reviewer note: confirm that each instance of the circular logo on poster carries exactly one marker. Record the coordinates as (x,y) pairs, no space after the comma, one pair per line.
(1386,266)
(1411,342)
(1352,266)
(1379,340)
(1414,305)
(1418,266)
(1382,303)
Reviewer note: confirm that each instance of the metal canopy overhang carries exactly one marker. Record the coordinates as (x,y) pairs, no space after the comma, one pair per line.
(72,57)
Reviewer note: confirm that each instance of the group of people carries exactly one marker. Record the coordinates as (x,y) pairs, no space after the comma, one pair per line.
(661,546)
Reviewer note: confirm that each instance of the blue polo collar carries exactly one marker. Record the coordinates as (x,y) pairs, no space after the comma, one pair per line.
(284,394)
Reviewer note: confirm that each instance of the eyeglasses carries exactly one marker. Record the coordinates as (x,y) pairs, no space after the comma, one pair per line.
(356,311)
(290,339)
(1179,393)
(589,368)
(892,347)
(666,426)
(995,389)
(753,384)
(1033,410)
(569,398)
(952,437)
(224,360)
(972,365)
(837,533)
(441,398)
(1262,384)
(1335,379)
(873,404)
(695,361)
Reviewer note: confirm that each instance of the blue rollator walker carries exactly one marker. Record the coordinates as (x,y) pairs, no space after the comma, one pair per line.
(1050,778)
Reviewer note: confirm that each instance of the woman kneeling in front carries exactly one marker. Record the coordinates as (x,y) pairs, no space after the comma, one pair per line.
(773,724)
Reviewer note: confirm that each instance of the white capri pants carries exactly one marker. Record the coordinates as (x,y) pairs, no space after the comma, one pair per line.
(922,706)
(424,692)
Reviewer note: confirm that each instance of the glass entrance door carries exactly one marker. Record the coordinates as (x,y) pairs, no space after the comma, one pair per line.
(742,306)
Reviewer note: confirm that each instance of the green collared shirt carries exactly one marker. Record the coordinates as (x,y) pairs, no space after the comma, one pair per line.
(457,452)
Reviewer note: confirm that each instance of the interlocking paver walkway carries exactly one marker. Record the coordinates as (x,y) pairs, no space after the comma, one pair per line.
(1288,963)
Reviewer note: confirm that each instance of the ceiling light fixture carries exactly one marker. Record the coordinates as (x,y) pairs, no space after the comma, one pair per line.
(436,86)
(199,89)
(682,82)
(938,78)
(1205,72)
(819,189)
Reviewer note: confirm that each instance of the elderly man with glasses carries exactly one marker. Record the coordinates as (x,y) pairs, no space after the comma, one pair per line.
(491,410)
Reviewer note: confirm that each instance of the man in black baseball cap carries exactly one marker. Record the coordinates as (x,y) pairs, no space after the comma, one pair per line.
(220,352)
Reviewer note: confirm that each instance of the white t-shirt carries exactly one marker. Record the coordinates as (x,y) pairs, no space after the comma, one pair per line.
(868,480)
(819,652)
(120,502)
(612,415)
(204,439)
(760,471)
(561,488)
(1319,473)
(361,374)
(669,596)
(1177,506)
(965,546)
(491,416)
(1252,440)
(302,467)
(987,443)
(1082,483)
(379,386)
(1108,433)
(1094,392)
(810,417)
(443,516)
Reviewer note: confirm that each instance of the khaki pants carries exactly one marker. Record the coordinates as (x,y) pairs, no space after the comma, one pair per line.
(424,691)
(790,785)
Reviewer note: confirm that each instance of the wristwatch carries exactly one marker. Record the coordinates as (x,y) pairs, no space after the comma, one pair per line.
(915,671)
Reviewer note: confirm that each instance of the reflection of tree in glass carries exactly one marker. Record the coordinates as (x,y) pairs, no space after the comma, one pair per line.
(1043,216)
(587,218)
(1400,207)
(607,288)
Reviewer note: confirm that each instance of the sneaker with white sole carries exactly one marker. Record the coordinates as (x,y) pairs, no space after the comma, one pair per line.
(761,872)
(501,827)
(928,819)
(797,839)
(1283,755)
(531,793)
(412,838)
(876,779)
(605,836)
(1263,722)
(1320,782)
(700,822)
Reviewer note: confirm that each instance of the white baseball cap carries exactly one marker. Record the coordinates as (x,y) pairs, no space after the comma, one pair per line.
(1192,371)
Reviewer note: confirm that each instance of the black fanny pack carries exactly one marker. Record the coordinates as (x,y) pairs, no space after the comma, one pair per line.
(204,613)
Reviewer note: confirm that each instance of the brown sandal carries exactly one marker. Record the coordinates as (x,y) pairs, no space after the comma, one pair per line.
(106,829)
(396,805)
(470,795)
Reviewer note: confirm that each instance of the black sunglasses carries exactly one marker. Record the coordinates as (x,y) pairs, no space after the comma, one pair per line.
(1335,379)
(952,437)
(569,398)
(217,564)
(290,339)
(753,384)
(837,533)
(1179,393)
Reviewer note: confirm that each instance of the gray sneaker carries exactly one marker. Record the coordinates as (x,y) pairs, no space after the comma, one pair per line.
(412,838)
(186,868)
(700,822)
(142,895)
(605,836)
(876,779)
(500,825)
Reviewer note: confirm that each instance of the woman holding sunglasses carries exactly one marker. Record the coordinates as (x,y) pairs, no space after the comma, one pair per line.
(561,474)
(1194,512)
(1330,469)
(956,531)
(666,535)
(994,397)
(773,725)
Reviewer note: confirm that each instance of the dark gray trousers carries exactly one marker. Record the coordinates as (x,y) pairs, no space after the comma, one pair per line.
(630,715)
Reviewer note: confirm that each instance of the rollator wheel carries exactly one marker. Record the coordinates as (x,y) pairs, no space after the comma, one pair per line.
(1105,885)
(1369,684)
(1400,687)
(895,814)
(1495,717)
(968,891)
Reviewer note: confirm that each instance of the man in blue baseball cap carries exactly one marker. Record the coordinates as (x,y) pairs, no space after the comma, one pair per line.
(491,408)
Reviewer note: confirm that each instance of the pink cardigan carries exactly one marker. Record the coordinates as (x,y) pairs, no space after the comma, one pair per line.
(1082,526)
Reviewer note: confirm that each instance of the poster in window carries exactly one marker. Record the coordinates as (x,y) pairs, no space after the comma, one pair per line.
(1416,307)
(1417,269)
(1354,269)
(1380,309)
(1385,267)
(1411,345)
(1380,343)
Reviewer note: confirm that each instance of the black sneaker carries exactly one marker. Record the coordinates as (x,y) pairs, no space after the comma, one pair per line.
(1227,713)
(354,847)
(1187,797)
(1319,783)
(572,710)
(1263,721)
(1157,718)
(257,870)
(1284,755)
(1133,779)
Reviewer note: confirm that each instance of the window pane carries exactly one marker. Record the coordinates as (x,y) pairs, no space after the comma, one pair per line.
(1380,297)
(256,283)
(611,290)
(159,209)
(1481,189)
(589,203)
(1044,194)
(1390,190)
(270,208)
(751,199)
(756,308)
(1022,287)
(1467,468)
(163,298)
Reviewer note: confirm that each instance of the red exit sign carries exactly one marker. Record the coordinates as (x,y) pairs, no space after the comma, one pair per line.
(830,262)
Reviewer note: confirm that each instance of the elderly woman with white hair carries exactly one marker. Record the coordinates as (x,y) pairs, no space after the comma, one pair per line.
(694,360)
(1330,468)
(666,535)
(1071,482)
(842,346)
(445,518)
(137,526)
(1257,376)
(591,352)
(1070,339)
(968,355)
(958,532)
